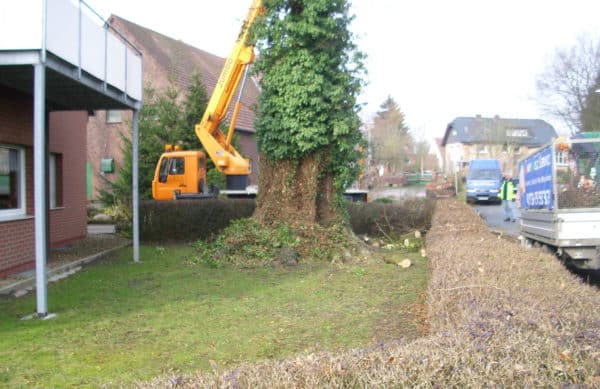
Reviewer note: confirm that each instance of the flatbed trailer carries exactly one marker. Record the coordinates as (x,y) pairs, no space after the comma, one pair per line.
(560,200)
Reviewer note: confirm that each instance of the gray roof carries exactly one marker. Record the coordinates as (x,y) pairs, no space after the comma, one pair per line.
(471,130)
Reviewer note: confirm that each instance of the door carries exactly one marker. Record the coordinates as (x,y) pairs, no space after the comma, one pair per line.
(171,178)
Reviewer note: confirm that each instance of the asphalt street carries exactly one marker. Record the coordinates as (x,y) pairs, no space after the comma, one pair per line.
(493,215)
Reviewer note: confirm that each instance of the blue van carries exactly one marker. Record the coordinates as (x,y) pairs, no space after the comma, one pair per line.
(484,179)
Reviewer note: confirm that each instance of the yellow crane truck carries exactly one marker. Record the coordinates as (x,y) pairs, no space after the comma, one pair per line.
(181,174)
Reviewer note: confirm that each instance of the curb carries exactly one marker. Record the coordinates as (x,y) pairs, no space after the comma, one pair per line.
(58,272)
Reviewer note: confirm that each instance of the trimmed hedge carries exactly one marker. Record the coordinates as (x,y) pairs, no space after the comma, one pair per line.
(191,220)
(391,219)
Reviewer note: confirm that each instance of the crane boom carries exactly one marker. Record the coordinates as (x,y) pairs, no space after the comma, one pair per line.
(217,145)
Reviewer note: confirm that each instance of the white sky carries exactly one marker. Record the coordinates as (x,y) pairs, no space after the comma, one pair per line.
(438,59)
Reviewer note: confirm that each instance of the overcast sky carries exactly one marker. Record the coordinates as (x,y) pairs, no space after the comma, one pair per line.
(438,59)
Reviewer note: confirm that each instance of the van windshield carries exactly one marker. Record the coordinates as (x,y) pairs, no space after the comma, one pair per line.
(483,174)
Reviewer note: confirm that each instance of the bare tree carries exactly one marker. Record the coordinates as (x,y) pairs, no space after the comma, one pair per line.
(566,88)
(590,115)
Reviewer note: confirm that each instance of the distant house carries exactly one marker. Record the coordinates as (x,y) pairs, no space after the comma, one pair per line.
(165,61)
(509,140)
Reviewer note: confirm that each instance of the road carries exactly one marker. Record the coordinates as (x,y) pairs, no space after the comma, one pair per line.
(397,193)
(493,215)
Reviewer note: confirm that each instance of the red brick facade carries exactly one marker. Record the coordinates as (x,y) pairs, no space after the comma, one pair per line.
(67,140)
(104,141)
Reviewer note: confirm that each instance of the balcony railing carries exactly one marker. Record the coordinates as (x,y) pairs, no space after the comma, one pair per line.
(73,32)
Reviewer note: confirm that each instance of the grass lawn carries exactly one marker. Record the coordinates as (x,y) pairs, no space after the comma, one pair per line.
(119,322)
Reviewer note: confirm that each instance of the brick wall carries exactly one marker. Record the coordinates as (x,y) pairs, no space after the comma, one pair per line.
(104,141)
(67,138)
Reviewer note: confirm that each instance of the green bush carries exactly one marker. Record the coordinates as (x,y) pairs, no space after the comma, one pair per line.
(189,220)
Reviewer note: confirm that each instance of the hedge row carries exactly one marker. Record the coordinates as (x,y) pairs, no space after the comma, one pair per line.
(391,219)
(190,220)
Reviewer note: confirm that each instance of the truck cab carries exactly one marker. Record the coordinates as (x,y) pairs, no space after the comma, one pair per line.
(484,179)
(178,173)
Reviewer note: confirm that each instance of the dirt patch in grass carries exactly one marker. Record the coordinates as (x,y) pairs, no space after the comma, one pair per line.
(499,315)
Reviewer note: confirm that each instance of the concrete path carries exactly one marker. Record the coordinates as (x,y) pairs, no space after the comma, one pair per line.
(101,229)
(21,283)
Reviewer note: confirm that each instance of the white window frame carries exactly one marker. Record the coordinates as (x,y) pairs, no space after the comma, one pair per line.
(517,133)
(16,213)
(111,116)
(562,158)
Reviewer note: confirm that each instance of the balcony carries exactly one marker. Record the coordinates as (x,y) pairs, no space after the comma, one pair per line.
(66,57)
(88,64)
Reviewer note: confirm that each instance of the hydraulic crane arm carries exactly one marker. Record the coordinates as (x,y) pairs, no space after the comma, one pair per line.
(218,146)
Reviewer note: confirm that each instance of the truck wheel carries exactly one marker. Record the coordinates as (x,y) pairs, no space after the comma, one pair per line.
(201,186)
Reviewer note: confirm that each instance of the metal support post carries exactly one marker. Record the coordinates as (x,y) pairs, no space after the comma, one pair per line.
(40,189)
(135,187)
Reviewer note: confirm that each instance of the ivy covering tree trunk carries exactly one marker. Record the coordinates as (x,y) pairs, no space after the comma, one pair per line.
(307,123)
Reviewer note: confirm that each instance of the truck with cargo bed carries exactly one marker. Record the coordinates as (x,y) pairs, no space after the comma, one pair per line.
(559,198)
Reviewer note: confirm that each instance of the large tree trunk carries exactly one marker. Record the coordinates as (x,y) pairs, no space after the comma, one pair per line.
(295,193)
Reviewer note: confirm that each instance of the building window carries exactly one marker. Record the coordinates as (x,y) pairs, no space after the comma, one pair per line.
(12,182)
(55,180)
(562,158)
(113,116)
(517,133)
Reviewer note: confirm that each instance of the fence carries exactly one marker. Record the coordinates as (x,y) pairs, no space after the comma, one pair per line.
(577,163)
